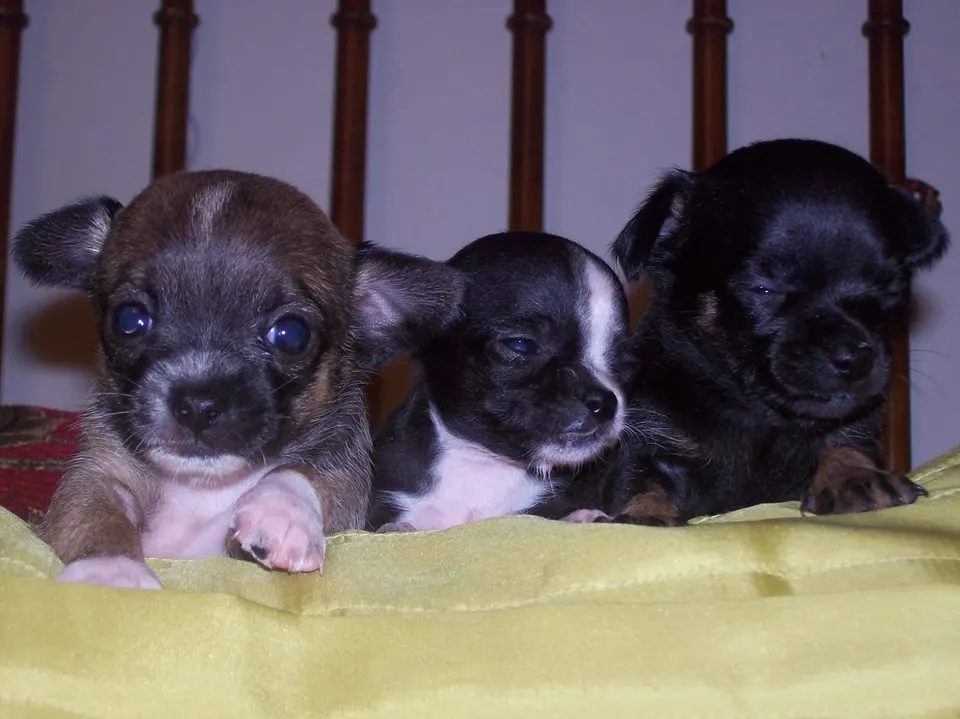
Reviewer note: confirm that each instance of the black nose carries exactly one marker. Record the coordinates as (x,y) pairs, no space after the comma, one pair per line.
(602,404)
(853,360)
(195,410)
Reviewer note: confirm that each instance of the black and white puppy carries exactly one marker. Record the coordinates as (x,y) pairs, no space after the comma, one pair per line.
(524,387)
(235,322)
(765,353)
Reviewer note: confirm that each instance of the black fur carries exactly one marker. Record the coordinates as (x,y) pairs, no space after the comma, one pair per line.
(61,247)
(778,274)
(531,411)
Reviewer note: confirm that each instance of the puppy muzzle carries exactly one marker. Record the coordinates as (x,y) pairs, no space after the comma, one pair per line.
(591,421)
(220,410)
(831,372)
(592,413)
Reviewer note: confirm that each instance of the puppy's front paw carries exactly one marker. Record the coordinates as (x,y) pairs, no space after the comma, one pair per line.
(862,492)
(647,520)
(280,523)
(651,508)
(391,527)
(587,516)
(847,482)
(110,571)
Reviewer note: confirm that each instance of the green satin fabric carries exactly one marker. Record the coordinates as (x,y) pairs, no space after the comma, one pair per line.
(759,613)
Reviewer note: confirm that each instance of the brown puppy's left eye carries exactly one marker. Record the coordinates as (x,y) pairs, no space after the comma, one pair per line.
(132,318)
(289,334)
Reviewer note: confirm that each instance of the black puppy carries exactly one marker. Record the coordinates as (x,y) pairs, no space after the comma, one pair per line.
(764,355)
(522,387)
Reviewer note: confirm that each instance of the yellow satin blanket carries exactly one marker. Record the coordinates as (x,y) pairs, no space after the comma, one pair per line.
(759,613)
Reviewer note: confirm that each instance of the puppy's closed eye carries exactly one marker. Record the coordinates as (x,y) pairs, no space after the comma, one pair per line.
(519,347)
(868,310)
(767,290)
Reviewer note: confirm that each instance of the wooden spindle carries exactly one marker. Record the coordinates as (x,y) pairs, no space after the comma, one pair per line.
(353,21)
(709,27)
(885,29)
(12,22)
(529,25)
(176,20)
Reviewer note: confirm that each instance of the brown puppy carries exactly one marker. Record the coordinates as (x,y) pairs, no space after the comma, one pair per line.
(235,324)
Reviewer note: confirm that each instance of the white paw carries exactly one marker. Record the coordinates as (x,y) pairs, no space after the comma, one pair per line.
(110,571)
(586,516)
(280,523)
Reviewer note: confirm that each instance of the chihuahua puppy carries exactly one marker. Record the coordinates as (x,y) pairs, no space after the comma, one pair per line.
(235,322)
(523,388)
(765,353)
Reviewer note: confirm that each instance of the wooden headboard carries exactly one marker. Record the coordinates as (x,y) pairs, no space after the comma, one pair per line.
(529,24)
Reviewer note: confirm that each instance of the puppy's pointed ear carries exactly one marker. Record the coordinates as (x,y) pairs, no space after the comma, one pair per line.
(639,244)
(61,247)
(922,239)
(401,301)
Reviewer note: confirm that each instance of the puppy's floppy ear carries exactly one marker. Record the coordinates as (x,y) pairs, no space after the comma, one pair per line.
(639,244)
(61,247)
(401,301)
(922,237)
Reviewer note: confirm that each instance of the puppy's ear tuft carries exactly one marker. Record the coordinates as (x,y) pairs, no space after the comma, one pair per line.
(636,248)
(402,301)
(923,239)
(61,247)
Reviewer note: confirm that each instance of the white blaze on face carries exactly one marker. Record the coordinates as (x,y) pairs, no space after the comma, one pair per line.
(209,204)
(601,326)
(599,316)
(190,365)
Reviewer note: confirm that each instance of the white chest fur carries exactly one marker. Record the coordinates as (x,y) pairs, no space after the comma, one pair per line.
(470,484)
(191,518)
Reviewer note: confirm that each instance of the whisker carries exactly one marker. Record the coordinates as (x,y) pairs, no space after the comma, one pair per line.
(920,350)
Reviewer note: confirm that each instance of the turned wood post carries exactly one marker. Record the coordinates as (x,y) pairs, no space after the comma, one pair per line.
(529,24)
(709,27)
(885,29)
(12,22)
(176,20)
(353,21)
